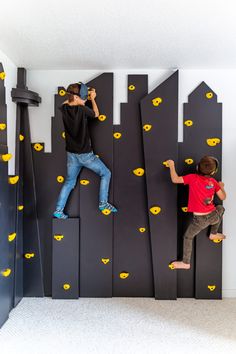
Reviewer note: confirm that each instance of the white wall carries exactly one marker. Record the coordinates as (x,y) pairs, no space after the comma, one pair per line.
(10,81)
(221,81)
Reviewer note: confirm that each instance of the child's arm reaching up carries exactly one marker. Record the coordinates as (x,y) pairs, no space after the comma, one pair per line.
(174,177)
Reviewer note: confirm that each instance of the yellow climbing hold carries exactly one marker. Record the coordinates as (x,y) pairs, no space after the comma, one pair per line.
(209,95)
(29,255)
(184,209)
(63,134)
(131,87)
(6,272)
(2,75)
(156,101)
(218,240)
(117,135)
(106,211)
(62,92)
(171,266)
(211,287)
(155,210)
(124,275)
(188,161)
(38,147)
(3,126)
(213,141)
(58,237)
(6,157)
(13,180)
(139,171)
(60,179)
(66,286)
(20,207)
(11,237)
(102,117)
(21,137)
(142,229)
(165,163)
(84,182)
(147,127)
(105,260)
(188,123)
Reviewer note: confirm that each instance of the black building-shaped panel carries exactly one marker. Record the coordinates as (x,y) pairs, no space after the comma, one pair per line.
(159,111)
(132,264)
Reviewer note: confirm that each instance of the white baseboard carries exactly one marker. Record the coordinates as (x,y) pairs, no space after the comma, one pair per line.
(229,293)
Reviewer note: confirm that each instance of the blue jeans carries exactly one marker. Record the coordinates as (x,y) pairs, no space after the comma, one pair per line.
(75,162)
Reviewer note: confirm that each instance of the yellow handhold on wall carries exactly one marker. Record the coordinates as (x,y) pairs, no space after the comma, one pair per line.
(106,211)
(188,123)
(58,237)
(62,92)
(217,240)
(66,286)
(142,229)
(156,101)
(209,95)
(6,157)
(171,266)
(38,147)
(165,163)
(211,287)
(21,137)
(188,161)
(155,210)
(105,260)
(131,87)
(147,127)
(213,141)
(139,171)
(13,180)
(20,207)
(3,126)
(63,134)
(102,117)
(11,237)
(84,182)
(29,255)
(2,75)
(124,275)
(6,272)
(60,179)
(117,135)
(184,209)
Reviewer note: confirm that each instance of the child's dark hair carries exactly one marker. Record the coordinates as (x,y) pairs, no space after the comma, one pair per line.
(207,166)
(73,89)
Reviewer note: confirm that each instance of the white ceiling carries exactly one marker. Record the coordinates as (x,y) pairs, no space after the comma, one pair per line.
(108,34)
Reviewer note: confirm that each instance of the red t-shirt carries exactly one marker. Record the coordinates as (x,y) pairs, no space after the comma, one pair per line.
(201,193)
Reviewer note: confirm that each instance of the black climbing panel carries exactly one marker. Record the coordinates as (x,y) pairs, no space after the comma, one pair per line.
(159,111)
(203,136)
(132,265)
(3,109)
(65,258)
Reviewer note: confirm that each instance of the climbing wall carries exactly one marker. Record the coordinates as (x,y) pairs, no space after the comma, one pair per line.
(159,112)
(132,267)
(202,136)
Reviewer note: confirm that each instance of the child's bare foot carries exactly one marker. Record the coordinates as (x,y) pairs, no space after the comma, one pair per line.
(180,265)
(217,236)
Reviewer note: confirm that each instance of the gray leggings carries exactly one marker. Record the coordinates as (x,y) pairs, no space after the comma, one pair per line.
(199,223)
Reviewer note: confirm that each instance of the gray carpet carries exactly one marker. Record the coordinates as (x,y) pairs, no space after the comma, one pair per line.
(120,325)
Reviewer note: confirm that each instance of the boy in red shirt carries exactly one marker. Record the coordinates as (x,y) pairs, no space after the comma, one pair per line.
(202,188)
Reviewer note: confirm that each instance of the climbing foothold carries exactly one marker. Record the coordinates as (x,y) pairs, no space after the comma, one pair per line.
(29,255)
(165,163)
(66,286)
(117,135)
(142,229)
(209,95)
(211,287)
(156,101)
(106,211)
(155,210)
(3,126)
(11,237)
(21,137)
(171,266)
(62,92)
(58,237)
(20,207)
(184,209)
(38,147)
(131,87)
(6,157)
(60,179)
(102,117)
(188,123)
(218,240)
(84,182)
(63,134)
(188,161)
(138,171)
(124,275)
(6,272)
(105,260)
(213,141)
(147,127)
(2,75)
(13,180)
